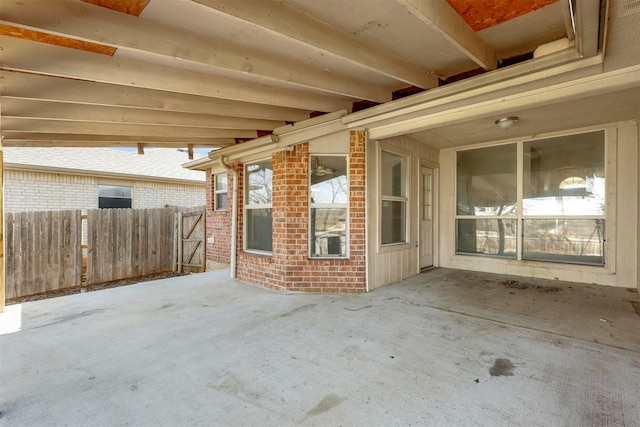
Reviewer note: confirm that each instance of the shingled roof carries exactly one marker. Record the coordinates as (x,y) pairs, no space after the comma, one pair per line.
(163,164)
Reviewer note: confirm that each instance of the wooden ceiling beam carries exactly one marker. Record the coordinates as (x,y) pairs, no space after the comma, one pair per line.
(118,129)
(41,58)
(103,26)
(18,85)
(295,25)
(442,18)
(43,139)
(51,110)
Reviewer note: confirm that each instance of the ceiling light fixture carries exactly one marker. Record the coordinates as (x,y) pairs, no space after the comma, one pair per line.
(507,122)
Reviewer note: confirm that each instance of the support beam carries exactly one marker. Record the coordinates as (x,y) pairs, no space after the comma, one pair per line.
(103,26)
(2,226)
(295,25)
(587,19)
(190,151)
(32,109)
(140,148)
(41,58)
(47,88)
(443,19)
(120,129)
(77,140)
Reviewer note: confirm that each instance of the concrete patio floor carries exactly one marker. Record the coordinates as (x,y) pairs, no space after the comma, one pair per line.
(446,347)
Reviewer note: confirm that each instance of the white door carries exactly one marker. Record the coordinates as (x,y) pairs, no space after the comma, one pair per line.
(426,217)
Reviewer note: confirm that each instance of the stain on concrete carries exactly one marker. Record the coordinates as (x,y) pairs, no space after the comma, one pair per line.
(636,306)
(133,387)
(72,317)
(502,368)
(329,402)
(166,306)
(298,310)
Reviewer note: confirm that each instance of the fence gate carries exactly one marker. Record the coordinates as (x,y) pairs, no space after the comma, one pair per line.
(191,247)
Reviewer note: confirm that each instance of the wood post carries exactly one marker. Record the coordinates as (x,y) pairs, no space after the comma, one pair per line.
(2,269)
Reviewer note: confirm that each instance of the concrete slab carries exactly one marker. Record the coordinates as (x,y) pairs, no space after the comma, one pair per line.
(443,348)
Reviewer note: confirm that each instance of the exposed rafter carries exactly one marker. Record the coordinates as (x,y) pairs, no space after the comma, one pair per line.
(37,87)
(119,129)
(28,56)
(118,30)
(295,25)
(443,19)
(30,109)
(43,139)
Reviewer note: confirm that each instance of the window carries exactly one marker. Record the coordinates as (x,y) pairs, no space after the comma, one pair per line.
(114,196)
(329,198)
(560,214)
(486,201)
(258,197)
(221,192)
(393,184)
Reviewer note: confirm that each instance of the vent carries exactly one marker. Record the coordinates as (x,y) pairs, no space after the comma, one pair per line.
(628,7)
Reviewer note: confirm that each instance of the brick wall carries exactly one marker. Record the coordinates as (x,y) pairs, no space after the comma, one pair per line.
(218,224)
(35,191)
(289,267)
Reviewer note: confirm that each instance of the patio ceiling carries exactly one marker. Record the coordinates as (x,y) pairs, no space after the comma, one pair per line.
(211,73)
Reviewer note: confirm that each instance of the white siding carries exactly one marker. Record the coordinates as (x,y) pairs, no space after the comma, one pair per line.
(393,263)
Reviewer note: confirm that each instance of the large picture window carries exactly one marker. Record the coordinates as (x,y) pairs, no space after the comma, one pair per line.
(258,198)
(329,198)
(393,212)
(559,212)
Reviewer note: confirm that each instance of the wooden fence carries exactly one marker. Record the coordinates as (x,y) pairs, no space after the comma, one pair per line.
(44,250)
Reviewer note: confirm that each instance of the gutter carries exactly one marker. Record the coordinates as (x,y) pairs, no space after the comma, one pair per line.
(234,217)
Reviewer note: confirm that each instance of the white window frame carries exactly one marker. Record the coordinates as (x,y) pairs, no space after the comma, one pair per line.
(382,147)
(217,191)
(344,206)
(609,206)
(248,207)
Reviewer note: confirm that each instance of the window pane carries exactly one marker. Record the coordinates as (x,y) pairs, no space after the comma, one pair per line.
(328,232)
(578,241)
(114,202)
(487,237)
(394,227)
(259,227)
(486,181)
(393,174)
(565,175)
(329,179)
(259,183)
(221,202)
(221,182)
(114,191)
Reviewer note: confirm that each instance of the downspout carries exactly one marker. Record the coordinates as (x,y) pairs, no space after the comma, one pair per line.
(234,217)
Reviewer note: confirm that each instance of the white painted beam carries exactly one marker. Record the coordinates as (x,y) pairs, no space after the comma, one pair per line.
(100,25)
(41,58)
(92,143)
(33,109)
(118,129)
(47,88)
(587,19)
(443,19)
(78,140)
(301,28)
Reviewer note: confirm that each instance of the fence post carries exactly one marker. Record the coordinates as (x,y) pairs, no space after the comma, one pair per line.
(179,235)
